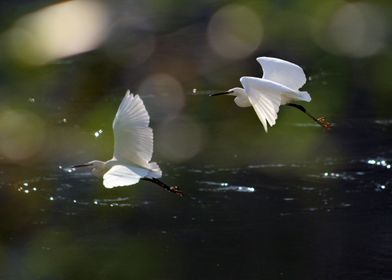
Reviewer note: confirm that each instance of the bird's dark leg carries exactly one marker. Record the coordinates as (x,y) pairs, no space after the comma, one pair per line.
(321,120)
(173,189)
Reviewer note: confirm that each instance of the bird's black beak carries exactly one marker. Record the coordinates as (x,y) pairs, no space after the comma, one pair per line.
(81,165)
(220,93)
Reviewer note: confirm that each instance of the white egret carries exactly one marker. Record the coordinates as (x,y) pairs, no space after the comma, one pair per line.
(279,85)
(133,148)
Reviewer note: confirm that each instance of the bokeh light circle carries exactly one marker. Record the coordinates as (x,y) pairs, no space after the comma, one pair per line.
(235,31)
(353,30)
(167,96)
(22,134)
(58,31)
(180,139)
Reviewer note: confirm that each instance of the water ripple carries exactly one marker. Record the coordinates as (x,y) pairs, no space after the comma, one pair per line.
(224,187)
(76,189)
(384,122)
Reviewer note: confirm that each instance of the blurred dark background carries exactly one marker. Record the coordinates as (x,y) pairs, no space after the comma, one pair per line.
(69,65)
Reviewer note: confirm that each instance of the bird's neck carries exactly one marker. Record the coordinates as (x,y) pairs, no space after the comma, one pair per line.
(100,168)
(241,98)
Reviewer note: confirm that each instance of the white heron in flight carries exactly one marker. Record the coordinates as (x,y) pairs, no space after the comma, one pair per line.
(133,148)
(279,85)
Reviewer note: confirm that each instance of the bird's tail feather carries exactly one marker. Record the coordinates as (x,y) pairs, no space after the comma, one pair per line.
(155,171)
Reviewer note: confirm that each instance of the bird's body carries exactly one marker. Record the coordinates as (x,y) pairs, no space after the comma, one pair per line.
(286,95)
(280,85)
(133,148)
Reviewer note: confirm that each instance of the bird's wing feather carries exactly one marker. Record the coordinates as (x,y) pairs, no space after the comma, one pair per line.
(133,138)
(121,175)
(265,98)
(283,72)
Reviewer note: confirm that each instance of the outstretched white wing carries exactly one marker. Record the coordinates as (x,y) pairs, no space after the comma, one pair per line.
(121,175)
(133,138)
(265,98)
(283,72)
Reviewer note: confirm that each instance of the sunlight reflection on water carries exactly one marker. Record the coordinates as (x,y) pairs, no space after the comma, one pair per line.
(76,188)
(224,187)
(79,188)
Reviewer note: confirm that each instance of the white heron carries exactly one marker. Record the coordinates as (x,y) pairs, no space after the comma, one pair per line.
(279,85)
(133,148)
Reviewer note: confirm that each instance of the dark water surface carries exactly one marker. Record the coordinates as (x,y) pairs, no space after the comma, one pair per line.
(321,218)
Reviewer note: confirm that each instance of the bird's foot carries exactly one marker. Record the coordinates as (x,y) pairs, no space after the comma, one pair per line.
(324,123)
(176,190)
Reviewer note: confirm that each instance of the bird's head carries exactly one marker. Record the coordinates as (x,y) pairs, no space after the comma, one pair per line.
(237,91)
(241,99)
